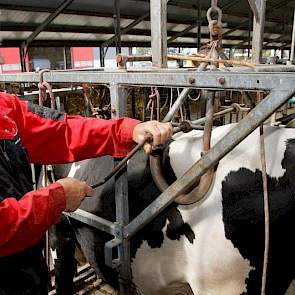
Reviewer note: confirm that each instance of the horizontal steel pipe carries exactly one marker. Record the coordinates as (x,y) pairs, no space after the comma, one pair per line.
(168,78)
(92,220)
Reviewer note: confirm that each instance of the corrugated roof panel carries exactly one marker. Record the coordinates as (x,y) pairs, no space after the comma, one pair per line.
(235,14)
(22,16)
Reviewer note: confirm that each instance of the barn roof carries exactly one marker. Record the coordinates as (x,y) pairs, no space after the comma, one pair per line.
(90,22)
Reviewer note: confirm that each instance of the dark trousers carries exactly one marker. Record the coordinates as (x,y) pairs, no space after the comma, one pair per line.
(24,274)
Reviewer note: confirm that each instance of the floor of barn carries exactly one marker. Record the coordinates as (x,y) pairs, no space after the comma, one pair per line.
(87,283)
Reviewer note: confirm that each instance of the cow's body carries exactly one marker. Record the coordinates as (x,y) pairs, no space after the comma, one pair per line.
(217,245)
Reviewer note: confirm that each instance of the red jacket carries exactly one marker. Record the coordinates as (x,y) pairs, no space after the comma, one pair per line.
(50,141)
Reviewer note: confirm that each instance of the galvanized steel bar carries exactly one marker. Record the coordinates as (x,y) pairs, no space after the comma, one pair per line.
(255,6)
(126,29)
(117,25)
(293,40)
(92,220)
(256,117)
(118,100)
(122,217)
(48,20)
(176,78)
(182,97)
(158,15)
(258,30)
(119,109)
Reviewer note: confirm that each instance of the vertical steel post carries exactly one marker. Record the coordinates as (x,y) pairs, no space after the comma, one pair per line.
(199,26)
(249,32)
(117,25)
(119,109)
(101,56)
(158,15)
(22,52)
(258,31)
(293,41)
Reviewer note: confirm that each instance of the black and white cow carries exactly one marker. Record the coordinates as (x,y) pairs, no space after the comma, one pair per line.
(216,245)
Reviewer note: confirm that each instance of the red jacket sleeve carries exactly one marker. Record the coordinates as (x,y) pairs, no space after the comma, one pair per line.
(24,222)
(74,138)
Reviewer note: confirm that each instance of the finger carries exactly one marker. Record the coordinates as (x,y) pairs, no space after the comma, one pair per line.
(170,129)
(147,148)
(89,191)
(164,132)
(155,132)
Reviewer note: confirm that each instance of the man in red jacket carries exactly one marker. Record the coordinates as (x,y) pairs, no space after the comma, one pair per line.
(33,134)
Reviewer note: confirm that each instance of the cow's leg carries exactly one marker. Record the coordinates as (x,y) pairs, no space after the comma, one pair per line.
(179,288)
(62,240)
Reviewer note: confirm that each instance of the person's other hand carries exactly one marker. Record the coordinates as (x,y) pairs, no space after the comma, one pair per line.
(75,191)
(161,132)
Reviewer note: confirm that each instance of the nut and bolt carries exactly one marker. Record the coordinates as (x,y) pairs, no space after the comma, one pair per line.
(192,80)
(221,81)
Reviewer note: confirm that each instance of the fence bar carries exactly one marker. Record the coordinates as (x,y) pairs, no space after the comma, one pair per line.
(92,220)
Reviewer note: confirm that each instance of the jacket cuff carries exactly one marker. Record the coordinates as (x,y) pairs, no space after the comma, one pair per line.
(57,202)
(127,128)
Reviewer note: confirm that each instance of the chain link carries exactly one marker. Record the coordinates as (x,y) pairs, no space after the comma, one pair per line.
(214,3)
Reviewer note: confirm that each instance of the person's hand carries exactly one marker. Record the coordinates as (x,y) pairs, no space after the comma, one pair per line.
(161,132)
(75,191)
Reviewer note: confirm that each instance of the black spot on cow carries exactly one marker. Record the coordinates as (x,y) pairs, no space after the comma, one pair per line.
(243,216)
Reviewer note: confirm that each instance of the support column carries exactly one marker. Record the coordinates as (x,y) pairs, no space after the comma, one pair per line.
(101,56)
(249,33)
(199,26)
(158,14)
(293,41)
(117,25)
(119,109)
(22,52)
(258,29)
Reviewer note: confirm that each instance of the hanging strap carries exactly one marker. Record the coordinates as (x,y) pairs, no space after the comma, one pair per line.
(266,210)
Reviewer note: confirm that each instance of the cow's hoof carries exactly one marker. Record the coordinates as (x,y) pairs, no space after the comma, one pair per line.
(180,289)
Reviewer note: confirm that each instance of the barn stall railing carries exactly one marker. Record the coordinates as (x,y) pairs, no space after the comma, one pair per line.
(280,87)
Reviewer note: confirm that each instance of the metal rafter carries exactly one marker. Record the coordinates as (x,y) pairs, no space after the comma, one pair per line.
(48,20)
(126,29)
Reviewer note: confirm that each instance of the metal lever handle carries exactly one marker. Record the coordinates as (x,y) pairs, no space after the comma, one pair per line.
(183,126)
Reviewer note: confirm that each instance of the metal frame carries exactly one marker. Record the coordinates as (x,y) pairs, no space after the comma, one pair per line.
(280,86)
(263,78)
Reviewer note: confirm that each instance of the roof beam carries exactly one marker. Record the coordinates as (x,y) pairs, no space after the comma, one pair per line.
(28,27)
(126,29)
(276,18)
(48,20)
(83,43)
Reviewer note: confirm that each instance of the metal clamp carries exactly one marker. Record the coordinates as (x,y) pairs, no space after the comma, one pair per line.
(108,252)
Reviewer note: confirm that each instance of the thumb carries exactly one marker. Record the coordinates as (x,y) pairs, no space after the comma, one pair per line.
(89,192)
(147,148)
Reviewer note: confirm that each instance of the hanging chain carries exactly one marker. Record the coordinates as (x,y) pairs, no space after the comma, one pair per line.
(214,3)
(215,25)
(154,103)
